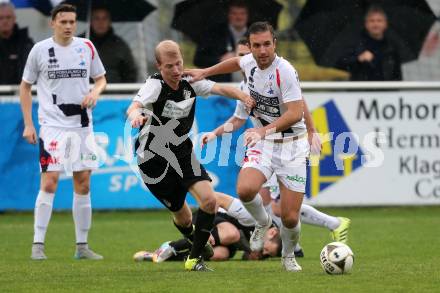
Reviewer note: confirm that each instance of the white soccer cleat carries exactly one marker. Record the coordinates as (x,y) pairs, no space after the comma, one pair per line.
(164,252)
(143,256)
(257,239)
(38,251)
(289,263)
(84,252)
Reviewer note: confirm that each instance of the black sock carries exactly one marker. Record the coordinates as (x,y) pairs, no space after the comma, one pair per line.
(204,224)
(181,245)
(187,232)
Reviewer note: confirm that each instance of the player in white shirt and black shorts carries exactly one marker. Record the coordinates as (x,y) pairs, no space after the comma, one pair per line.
(164,109)
(278,144)
(62,66)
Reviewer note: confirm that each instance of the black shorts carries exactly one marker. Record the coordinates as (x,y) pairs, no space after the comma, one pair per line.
(172,189)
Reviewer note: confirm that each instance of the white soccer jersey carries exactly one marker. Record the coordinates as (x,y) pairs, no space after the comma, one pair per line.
(62,74)
(271,88)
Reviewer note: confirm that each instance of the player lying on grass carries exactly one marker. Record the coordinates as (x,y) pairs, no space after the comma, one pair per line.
(233,226)
(232,230)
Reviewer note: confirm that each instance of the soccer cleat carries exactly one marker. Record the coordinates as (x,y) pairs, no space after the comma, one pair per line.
(84,252)
(289,263)
(257,239)
(299,253)
(196,264)
(143,256)
(164,252)
(340,234)
(38,251)
(207,251)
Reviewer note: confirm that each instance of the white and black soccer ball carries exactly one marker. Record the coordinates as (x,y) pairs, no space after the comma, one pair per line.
(337,258)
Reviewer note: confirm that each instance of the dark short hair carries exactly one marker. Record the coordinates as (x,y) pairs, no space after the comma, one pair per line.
(238,3)
(243,41)
(63,7)
(261,27)
(375,9)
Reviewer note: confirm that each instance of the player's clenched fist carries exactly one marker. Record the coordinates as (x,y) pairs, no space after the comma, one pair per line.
(253,135)
(138,121)
(207,137)
(89,101)
(30,134)
(249,102)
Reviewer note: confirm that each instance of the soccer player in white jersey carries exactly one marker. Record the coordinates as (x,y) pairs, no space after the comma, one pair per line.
(61,66)
(278,143)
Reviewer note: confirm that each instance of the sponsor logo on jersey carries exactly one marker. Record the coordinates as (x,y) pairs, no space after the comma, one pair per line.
(67,73)
(266,105)
(80,50)
(186,94)
(52,59)
(177,110)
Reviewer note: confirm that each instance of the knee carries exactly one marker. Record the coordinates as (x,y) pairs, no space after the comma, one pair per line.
(291,220)
(231,237)
(208,203)
(82,184)
(49,184)
(183,222)
(246,191)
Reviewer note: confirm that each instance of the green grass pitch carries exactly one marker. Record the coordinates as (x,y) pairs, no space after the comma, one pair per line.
(396,250)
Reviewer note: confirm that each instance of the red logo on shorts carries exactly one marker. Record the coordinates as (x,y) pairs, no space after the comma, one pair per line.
(53,145)
(45,161)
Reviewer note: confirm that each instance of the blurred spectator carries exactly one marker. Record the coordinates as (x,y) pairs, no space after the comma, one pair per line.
(376,56)
(219,42)
(15,46)
(113,50)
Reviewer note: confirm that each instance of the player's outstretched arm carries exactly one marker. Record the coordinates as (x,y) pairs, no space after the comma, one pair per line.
(231,125)
(29,133)
(134,113)
(227,66)
(233,93)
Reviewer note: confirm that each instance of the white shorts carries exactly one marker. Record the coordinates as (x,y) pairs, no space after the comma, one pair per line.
(274,188)
(287,160)
(67,149)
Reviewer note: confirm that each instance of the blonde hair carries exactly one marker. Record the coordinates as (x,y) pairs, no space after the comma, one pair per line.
(168,48)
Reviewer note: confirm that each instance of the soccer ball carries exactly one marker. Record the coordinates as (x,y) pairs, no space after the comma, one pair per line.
(336,258)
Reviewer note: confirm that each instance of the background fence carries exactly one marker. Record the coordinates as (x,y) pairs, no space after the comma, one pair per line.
(358,166)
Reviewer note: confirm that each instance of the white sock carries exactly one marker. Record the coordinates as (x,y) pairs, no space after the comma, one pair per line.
(42,213)
(275,218)
(256,209)
(290,237)
(82,216)
(238,212)
(310,215)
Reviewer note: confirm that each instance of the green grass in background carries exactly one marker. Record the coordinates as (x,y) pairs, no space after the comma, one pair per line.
(396,250)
